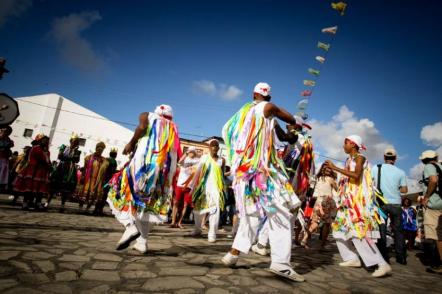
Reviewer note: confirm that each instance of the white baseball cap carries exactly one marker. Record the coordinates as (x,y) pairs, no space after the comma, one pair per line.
(164,110)
(428,154)
(191,149)
(263,89)
(390,152)
(357,140)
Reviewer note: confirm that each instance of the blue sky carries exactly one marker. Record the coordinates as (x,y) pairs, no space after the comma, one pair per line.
(204,57)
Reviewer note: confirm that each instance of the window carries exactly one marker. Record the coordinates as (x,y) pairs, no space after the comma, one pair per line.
(81,142)
(28,133)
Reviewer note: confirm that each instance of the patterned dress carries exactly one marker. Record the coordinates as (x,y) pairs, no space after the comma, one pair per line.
(94,169)
(143,189)
(34,177)
(358,213)
(260,180)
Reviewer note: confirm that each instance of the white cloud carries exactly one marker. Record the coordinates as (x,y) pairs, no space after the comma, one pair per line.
(12,9)
(416,171)
(330,135)
(223,91)
(74,48)
(432,134)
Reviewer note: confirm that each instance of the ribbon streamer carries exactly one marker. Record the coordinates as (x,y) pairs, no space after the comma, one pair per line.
(323,46)
(330,30)
(314,72)
(306,93)
(340,7)
(309,83)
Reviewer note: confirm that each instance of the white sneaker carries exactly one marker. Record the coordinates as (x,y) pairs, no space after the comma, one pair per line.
(382,270)
(286,271)
(130,234)
(229,259)
(211,240)
(140,247)
(260,250)
(351,263)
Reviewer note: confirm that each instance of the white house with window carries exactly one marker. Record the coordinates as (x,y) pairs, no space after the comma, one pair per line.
(58,118)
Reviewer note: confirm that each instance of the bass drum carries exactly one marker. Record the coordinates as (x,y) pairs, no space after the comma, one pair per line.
(8,110)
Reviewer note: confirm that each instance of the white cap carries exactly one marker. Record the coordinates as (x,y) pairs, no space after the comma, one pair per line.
(191,149)
(164,110)
(390,152)
(428,154)
(263,89)
(357,140)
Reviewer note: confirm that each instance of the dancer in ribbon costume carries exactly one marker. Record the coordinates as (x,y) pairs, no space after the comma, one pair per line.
(356,227)
(208,192)
(140,194)
(260,181)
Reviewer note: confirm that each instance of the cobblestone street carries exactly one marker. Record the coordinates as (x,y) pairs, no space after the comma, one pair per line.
(49,252)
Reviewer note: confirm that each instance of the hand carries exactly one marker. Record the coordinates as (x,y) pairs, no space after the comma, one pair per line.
(329,164)
(128,149)
(424,201)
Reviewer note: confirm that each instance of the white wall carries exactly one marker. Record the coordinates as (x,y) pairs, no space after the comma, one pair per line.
(72,118)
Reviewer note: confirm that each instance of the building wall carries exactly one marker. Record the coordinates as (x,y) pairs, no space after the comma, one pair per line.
(72,118)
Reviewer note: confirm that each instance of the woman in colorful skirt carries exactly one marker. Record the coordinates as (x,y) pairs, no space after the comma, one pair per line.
(33,179)
(325,206)
(356,227)
(140,194)
(93,177)
(208,191)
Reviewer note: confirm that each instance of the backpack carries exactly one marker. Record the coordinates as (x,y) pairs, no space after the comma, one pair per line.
(439,182)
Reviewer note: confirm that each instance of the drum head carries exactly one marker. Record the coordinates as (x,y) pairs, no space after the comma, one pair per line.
(8,110)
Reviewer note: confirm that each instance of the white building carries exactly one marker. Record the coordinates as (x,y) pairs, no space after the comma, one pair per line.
(59,117)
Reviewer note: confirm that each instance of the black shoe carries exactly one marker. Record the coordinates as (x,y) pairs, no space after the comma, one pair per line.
(401,260)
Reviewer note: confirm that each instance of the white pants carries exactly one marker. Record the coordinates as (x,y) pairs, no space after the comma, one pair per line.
(280,235)
(213,222)
(263,235)
(369,253)
(144,228)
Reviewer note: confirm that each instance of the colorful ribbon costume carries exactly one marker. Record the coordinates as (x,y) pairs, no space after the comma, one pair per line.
(261,183)
(144,186)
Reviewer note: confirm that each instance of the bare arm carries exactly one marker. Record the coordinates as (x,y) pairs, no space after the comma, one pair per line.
(272,110)
(285,137)
(182,159)
(432,185)
(355,175)
(139,132)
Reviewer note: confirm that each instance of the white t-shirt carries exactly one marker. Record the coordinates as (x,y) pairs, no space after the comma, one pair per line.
(186,170)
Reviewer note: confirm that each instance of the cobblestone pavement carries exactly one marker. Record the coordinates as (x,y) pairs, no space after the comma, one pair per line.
(49,252)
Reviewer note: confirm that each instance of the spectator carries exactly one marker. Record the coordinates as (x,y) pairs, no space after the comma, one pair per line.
(183,199)
(19,165)
(432,200)
(391,182)
(5,153)
(409,223)
(64,177)
(33,179)
(325,206)
(94,168)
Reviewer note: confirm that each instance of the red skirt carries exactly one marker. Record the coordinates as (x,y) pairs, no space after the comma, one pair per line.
(33,179)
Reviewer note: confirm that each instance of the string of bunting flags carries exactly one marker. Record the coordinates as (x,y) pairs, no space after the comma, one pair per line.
(315,72)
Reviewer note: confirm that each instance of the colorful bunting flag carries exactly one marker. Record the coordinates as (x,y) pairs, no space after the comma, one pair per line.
(309,83)
(306,93)
(302,105)
(314,72)
(324,46)
(330,30)
(320,59)
(340,7)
